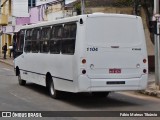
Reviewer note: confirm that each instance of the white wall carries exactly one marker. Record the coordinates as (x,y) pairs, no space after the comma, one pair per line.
(20,8)
(13,20)
(59,14)
(54,16)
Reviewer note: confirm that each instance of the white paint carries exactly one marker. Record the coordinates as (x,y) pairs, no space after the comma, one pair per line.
(55,15)
(100,31)
(20,8)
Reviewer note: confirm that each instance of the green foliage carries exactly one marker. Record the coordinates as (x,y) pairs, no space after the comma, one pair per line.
(123,2)
(77,7)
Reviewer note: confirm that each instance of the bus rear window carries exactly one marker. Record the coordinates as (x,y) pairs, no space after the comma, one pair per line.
(113,30)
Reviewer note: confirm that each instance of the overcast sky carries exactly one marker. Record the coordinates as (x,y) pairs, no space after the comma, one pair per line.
(68,1)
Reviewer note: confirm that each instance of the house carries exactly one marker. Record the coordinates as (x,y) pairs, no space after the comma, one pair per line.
(14,14)
(5,21)
(57,10)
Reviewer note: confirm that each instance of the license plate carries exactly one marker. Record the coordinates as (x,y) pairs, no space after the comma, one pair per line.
(115,71)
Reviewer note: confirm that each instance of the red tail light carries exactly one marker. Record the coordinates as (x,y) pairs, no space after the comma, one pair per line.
(84,61)
(144,61)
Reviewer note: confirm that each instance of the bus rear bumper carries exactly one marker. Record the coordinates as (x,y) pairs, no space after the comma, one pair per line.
(101,85)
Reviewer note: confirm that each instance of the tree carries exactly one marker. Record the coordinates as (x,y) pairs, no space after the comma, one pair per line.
(77,7)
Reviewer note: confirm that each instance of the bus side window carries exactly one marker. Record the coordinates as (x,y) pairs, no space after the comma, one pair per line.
(20,41)
(35,40)
(28,39)
(55,41)
(45,37)
(69,38)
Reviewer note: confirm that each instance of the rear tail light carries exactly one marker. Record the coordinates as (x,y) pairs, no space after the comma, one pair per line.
(84,61)
(144,61)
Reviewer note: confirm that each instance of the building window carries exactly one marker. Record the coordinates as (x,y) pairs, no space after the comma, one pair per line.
(31,3)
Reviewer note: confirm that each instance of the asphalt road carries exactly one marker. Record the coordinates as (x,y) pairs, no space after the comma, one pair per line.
(35,98)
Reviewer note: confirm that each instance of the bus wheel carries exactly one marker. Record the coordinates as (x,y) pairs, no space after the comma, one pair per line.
(100,94)
(21,82)
(53,93)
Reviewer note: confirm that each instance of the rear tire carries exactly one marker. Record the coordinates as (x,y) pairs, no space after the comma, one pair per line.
(20,81)
(100,94)
(52,91)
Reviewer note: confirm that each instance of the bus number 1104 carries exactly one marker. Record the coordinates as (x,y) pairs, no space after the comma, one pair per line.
(92,49)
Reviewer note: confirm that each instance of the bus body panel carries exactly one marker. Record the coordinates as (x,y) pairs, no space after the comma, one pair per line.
(100,85)
(103,41)
(59,66)
(115,54)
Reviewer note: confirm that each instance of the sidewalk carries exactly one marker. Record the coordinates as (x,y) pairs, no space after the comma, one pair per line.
(8,61)
(151,90)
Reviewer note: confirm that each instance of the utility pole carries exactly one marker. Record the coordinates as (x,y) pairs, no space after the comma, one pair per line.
(1,29)
(82,7)
(157,44)
(156,6)
(0,6)
(63,7)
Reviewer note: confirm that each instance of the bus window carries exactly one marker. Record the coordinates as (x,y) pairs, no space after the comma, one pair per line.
(35,40)
(20,41)
(28,40)
(56,35)
(45,36)
(69,38)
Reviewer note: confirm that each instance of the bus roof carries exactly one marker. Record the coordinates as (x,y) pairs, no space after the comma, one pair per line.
(76,18)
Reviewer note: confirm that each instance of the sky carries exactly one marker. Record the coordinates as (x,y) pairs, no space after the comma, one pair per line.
(45,1)
(39,2)
(68,1)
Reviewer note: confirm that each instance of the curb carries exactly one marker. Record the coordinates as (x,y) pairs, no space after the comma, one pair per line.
(153,93)
(7,63)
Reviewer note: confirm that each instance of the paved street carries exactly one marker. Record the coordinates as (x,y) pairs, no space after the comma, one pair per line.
(35,98)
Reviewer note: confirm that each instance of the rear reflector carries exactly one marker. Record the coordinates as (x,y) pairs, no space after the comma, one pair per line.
(144,71)
(83,71)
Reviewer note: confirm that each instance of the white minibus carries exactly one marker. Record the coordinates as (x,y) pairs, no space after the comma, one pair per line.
(95,53)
